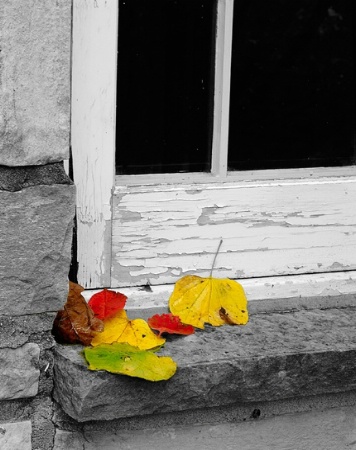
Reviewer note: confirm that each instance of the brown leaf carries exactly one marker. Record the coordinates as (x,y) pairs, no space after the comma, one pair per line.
(76,323)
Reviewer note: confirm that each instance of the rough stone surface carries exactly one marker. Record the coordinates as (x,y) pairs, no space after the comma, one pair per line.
(15,436)
(17,178)
(35,248)
(19,374)
(18,330)
(36,329)
(65,440)
(39,411)
(275,356)
(43,428)
(34,81)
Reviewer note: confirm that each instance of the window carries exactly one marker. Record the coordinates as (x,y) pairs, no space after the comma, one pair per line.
(165,86)
(292,102)
(291,85)
(286,219)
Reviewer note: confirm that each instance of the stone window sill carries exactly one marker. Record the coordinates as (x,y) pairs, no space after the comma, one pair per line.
(276,356)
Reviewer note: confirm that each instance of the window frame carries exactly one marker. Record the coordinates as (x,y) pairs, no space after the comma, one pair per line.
(94,63)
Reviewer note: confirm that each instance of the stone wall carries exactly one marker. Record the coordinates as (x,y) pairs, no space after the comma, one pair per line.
(37,202)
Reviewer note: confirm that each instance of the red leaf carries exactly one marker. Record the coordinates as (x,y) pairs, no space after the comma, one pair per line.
(168,323)
(76,323)
(106,303)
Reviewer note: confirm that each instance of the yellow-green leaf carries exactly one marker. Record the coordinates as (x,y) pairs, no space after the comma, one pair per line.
(211,300)
(128,360)
(118,328)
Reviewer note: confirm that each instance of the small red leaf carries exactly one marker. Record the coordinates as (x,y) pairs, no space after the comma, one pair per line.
(168,323)
(106,303)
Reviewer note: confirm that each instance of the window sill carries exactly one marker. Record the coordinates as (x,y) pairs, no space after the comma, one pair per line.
(245,176)
(276,356)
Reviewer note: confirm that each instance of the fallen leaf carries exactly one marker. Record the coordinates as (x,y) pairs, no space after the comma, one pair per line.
(106,303)
(128,360)
(118,328)
(168,323)
(76,323)
(198,300)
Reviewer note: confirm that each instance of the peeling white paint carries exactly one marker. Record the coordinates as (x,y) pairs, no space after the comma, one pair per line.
(268,229)
(93,103)
(264,293)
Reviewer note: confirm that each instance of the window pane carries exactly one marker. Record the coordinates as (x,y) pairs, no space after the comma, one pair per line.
(165,85)
(292,88)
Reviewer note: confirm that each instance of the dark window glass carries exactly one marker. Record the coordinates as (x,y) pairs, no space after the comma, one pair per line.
(292,88)
(165,85)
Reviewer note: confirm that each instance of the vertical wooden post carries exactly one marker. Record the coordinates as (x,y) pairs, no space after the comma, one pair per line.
(94,58)
(222,87)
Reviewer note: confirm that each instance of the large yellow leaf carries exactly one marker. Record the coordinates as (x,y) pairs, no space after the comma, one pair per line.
(211,300)
(118,328)
(128,360)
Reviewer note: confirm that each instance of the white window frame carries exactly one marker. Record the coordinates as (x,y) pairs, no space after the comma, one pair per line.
(102,197)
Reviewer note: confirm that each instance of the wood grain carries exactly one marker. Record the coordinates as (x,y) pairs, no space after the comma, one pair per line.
(93,134)
(273,228)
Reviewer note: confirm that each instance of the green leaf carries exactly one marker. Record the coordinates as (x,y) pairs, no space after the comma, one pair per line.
(124,359)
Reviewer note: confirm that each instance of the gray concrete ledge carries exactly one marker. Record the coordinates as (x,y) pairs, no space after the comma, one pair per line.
(275,356)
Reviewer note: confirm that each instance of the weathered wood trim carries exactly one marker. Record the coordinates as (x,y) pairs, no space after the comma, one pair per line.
(247,176)
(93,133)
(269,228)
(153,238)
(66,166)
(222,87)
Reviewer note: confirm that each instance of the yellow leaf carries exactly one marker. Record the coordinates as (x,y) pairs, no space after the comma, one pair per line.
(211,300)
(128,360)
(118,328)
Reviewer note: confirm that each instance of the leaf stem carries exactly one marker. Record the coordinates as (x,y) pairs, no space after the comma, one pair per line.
(216,254)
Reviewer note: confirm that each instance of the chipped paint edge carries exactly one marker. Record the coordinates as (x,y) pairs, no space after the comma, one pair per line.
(264,294)
(93,134)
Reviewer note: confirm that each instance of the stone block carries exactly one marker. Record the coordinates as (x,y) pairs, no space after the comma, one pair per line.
(17,178)
(36,226)
(15,330)
(72,440)
(35,81)
(275,356)
(15,436)
(19,373)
